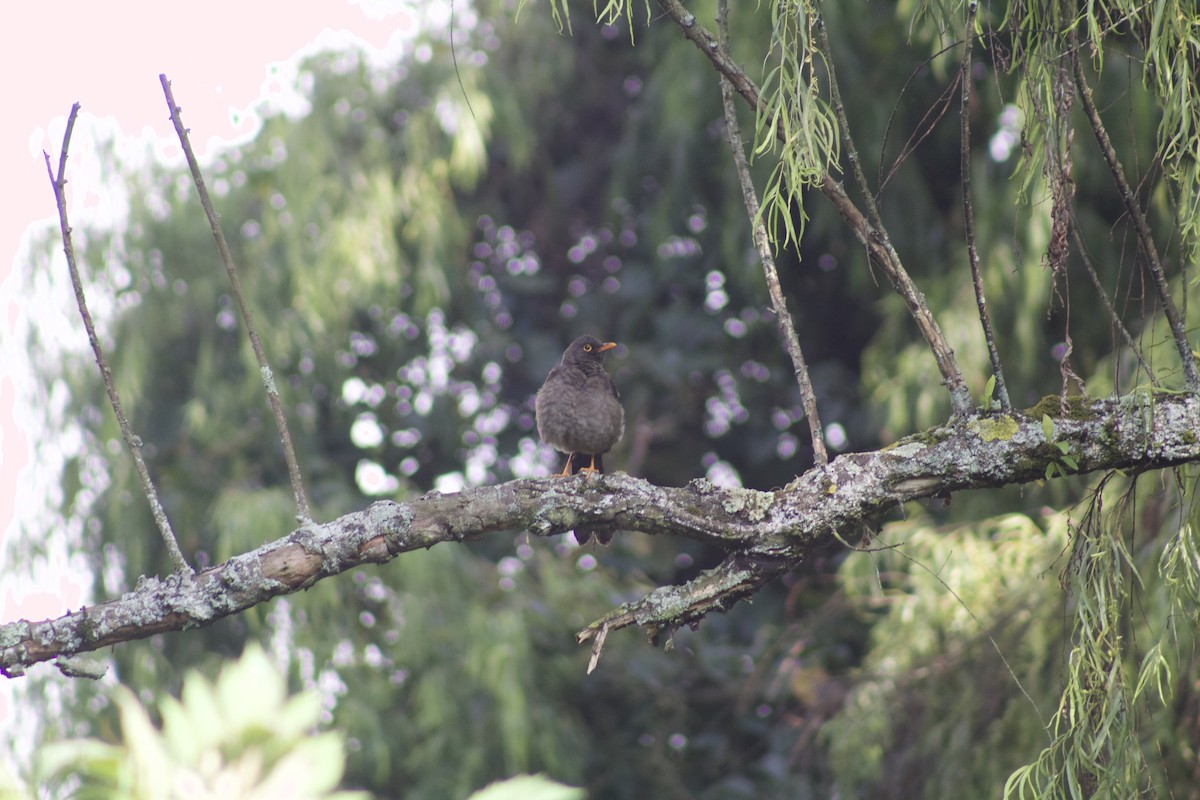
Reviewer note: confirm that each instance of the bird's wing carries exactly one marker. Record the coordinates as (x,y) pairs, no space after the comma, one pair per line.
(567,375)
(602,379)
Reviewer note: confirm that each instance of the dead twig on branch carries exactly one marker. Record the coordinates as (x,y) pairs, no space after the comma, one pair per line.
(762,243)
(872,236)
(303,512)
(1117,324)
(1141,227)
(132,442)
(985,320)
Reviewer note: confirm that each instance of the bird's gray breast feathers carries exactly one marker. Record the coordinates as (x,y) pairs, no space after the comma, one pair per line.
(579,412)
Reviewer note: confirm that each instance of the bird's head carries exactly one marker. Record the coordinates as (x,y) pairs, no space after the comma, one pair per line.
(587,349)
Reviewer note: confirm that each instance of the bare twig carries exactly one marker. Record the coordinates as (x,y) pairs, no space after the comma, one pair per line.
(1090,269)
(289,454)
(1145,239)
(852,156)
(597,646)
(739,576)
(872,236)
(763,243)
(922,130)
(969,211)
(132,441)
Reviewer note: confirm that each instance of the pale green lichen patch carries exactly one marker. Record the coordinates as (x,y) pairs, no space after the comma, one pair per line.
(1077,407)
(754,503)
(14,633)
(666,602)
(76,667)
(906,450)
(394,519)
(992,429)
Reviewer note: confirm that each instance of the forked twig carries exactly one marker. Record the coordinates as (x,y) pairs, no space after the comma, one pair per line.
(763,244)
(873,237)
(879,244)
(132,441)
(289,454)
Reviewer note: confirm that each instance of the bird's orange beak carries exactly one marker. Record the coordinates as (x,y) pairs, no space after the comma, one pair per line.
(606,346)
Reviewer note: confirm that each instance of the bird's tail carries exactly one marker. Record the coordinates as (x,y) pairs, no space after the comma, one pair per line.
(584,535)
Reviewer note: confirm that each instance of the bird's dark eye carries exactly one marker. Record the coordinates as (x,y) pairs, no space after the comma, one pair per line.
(587,348)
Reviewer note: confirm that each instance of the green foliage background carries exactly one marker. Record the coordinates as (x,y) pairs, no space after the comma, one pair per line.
(419,248)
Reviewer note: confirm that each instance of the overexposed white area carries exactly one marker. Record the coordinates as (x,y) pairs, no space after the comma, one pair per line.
(229,63)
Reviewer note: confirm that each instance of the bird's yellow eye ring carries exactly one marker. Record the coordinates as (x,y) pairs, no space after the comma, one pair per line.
(587,348)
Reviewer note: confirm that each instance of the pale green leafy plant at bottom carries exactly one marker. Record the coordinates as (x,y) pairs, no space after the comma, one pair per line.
(529,787)
(241,738)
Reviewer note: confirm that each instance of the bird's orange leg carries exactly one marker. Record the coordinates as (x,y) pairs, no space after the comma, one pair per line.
(567,469)
(591,468)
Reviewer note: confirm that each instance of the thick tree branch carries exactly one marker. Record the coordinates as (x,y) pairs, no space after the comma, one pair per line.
(763,533)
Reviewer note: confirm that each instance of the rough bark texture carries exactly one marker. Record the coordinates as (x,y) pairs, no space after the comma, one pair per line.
(763,533)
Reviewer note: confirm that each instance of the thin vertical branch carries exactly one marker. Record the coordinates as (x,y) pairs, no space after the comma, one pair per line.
(1145,239)
(289,454)
(763,244)
(969,212)
(874,235)
(132,441)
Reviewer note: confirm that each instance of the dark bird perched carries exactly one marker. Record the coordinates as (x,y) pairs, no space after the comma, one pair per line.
(579,412)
